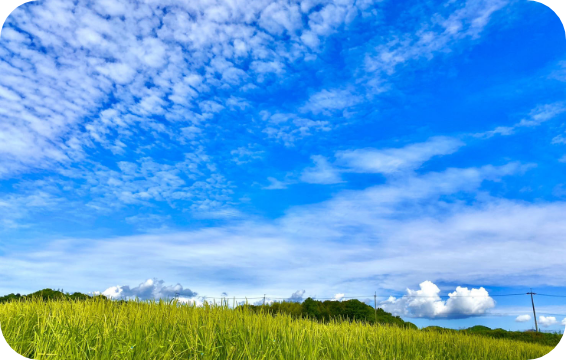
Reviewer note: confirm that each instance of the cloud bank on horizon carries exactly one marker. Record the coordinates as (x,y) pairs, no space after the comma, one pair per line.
(271,145)
(423,303)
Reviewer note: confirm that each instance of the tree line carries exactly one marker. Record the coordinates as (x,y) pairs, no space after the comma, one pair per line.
(324,311)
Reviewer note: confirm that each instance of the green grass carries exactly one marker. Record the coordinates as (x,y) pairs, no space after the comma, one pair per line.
(99,329)
(550,339)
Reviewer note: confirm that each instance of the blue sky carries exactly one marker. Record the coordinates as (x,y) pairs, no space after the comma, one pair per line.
(270,147)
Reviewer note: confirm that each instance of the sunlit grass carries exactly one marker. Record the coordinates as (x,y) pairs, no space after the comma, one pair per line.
(98,329)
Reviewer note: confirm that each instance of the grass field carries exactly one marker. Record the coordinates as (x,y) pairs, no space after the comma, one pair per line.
(98,329)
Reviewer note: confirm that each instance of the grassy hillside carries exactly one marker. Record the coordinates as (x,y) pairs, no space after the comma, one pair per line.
(45,294)
(531,337)
(350,310)
(99,329)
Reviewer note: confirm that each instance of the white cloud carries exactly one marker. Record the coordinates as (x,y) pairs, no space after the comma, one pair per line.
(244,155)
(398,232)
(386,161)
(48,96)
(559,72)
(523,318)
(338,297)
(288,128)
(210,106)
(93,52)
(119,72)
(542,113)
(17,209)
(547,321)
(321,173)
(433,36)
(393,160)
(191,132)
(297,296)
(500,130)
(151,289)
(326,101)
(234,102)
(426,303)
(112,8)
(563,322)
(536,117)
(276,184)
(279,17)
(194,180)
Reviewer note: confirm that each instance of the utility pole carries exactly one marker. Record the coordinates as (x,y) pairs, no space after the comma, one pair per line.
(534,312)
(263,299)
(375,306)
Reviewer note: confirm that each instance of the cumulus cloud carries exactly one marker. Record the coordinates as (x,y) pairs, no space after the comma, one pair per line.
(547,321)
(297,296)
(426,303)
(150,289)
(338,297)
(523,318)
(563,322)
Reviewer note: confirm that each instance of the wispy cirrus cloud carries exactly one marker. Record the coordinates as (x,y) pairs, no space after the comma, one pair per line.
(428,39)
(394,231)
(536,117)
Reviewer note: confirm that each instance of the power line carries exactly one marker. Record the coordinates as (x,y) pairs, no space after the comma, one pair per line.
(560,296)
(385,296)
(369,296)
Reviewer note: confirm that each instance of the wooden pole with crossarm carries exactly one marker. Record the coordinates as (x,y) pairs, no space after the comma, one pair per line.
(534,312)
